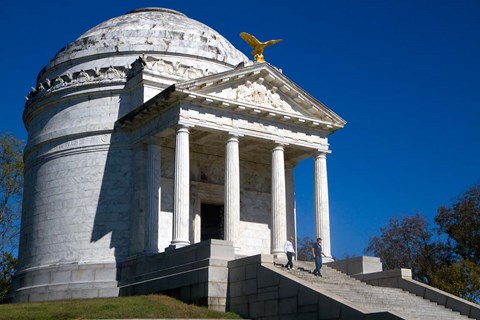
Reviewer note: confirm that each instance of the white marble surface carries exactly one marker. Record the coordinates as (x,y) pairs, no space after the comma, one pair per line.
(279,209)
(232,189)
(181,191)
(95,192)
(322,212)
(154,196)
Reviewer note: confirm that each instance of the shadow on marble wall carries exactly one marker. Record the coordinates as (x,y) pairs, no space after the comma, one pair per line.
(112,216)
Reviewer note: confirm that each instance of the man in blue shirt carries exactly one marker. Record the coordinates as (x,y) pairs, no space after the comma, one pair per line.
(317,255)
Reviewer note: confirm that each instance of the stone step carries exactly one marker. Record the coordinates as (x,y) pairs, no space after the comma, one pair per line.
(372,298)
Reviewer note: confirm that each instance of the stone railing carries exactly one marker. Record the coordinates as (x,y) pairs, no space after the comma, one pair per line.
(369,270)
(402,278)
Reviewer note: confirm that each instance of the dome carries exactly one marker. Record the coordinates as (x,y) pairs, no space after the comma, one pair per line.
(148,31)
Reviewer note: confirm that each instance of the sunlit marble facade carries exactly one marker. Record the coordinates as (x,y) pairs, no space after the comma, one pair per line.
(151,131)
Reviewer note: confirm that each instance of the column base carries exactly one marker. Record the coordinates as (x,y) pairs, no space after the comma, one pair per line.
(279,255)
(150,252)
(327,259)
(178,244)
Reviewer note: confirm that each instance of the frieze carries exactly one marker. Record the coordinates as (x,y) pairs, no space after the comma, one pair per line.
(184,72)
(77,78)
(163,66)
(257,93)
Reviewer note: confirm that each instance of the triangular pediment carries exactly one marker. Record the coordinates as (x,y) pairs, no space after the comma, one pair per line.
(264,87)
(258,93)
(259,90)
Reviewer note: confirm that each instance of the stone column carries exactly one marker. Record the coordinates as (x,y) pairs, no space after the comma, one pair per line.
(290,202)
(279,208)
(181,191)
(322,215)
(153,198)
(232,189)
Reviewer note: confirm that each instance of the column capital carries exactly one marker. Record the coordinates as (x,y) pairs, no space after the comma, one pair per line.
(321,153)
(233,136)
(279,146)
(182,128)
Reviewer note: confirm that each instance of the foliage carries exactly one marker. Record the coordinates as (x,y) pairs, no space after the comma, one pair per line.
(407,243)
(461,278)
(304,249)
(453,264)
(144,307)
(461,222)
(11,187)
(8,265)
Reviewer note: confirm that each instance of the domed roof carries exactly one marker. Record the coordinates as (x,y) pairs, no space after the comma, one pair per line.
(150,31)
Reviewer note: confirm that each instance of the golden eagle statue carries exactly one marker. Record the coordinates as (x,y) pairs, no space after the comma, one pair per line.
(257,45)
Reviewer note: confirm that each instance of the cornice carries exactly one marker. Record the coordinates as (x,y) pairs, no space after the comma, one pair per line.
(257,110)
(75,79)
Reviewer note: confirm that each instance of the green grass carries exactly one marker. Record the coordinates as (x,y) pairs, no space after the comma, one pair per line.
(151,306)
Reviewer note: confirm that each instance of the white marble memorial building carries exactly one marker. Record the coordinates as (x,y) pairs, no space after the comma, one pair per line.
(151,131)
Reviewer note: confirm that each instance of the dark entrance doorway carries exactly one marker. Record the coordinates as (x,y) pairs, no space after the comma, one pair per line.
(212,222)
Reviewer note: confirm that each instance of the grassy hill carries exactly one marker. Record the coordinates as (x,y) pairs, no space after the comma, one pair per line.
(137,307)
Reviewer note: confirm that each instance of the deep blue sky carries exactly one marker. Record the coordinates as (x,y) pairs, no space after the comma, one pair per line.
(405,75)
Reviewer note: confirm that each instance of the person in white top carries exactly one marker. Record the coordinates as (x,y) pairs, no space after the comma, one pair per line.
(290,251)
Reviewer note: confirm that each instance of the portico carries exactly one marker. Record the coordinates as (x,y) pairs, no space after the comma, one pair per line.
(230,140)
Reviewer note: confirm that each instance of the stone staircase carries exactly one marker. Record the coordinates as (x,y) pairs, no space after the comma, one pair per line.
(374,299)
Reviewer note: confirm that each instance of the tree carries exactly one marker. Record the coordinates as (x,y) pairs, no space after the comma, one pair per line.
(8,265)
(11,187)
(461,278)
(304,249)
(407,243)
(461,222)
(451,262)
